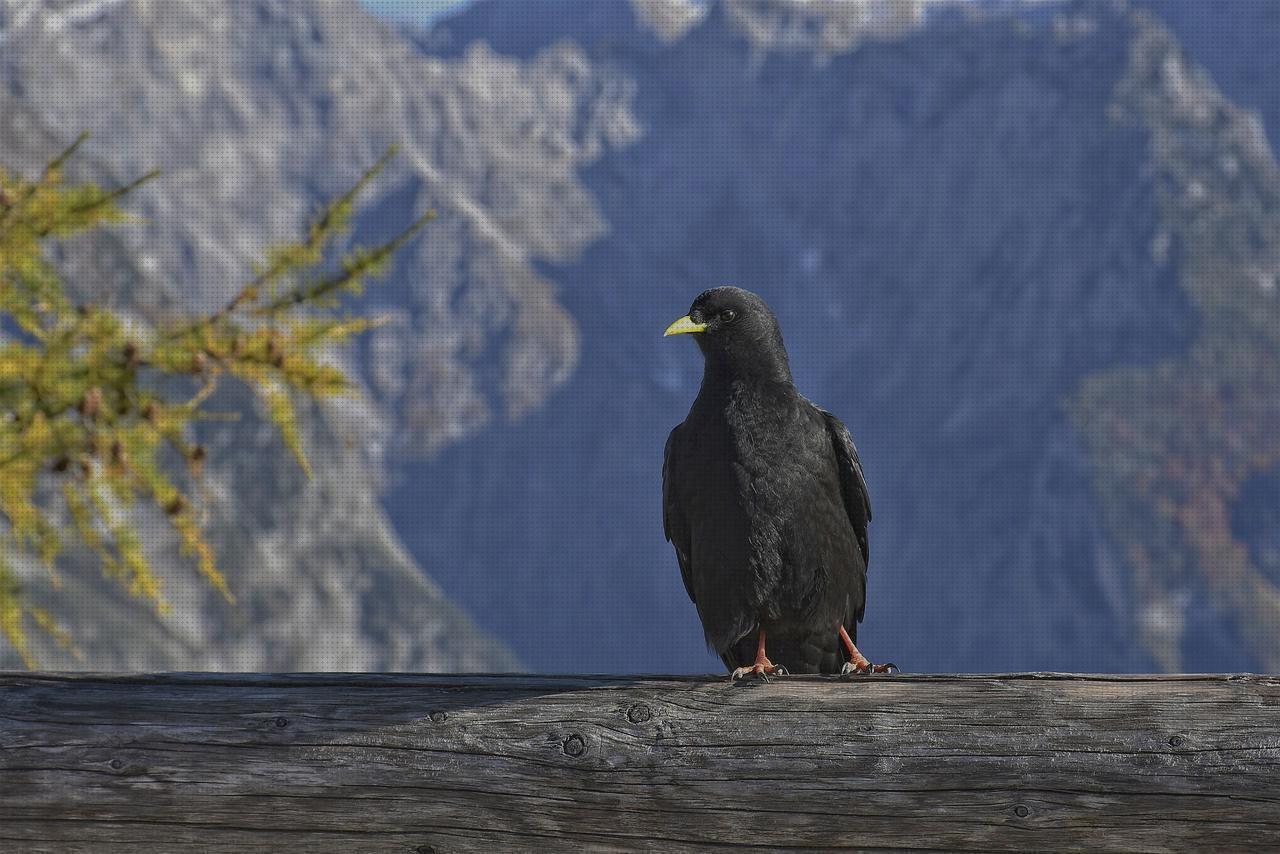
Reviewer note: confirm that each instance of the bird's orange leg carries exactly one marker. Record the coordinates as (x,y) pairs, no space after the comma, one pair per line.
(858,662)
(762,667)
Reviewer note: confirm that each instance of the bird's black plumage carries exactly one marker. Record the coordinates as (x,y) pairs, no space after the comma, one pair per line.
(764,498)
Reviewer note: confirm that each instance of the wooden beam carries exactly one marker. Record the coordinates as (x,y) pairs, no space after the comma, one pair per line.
(366,763)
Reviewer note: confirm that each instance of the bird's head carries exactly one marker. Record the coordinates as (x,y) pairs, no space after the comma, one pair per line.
(736,332)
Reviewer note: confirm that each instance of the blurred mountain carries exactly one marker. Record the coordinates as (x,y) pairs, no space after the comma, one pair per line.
(256,112)
(1235,49)
(962,215)
(1010,246)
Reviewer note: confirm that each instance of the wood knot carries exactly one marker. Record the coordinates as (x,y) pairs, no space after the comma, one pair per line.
(425,849)
(116,764)
(439,717)
(282,722)
(575,745)
(1022,810)
(639,713)
(1175,741)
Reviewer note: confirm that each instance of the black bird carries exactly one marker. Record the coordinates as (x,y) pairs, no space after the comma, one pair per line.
(764,499)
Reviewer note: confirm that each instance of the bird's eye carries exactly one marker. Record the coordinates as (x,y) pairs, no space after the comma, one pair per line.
(728,315)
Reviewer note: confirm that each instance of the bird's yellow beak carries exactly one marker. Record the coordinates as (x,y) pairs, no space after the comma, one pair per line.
(684,325)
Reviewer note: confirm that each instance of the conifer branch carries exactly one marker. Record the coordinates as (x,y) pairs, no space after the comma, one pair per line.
(81,398)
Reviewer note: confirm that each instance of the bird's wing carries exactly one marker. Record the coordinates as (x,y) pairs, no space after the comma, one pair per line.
(673,522)
(853,486)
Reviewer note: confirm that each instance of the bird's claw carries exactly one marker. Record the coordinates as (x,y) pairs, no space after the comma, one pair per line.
(764,671)
(866,668)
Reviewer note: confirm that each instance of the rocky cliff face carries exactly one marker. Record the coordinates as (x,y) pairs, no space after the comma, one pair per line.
(979,228)
(963,223)
(255,112)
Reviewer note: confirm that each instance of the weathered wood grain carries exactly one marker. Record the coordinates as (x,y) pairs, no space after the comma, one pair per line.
(355,763)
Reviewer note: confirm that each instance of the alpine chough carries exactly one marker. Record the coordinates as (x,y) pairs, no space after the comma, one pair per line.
(764,499)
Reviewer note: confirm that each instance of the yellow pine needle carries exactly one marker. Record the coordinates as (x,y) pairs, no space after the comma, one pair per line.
(75,409)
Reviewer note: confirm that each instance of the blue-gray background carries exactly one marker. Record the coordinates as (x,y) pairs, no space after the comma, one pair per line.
(1029,253)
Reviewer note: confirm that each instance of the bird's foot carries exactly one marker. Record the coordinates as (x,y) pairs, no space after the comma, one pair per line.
(857,665)
(762,669)
(866,668)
